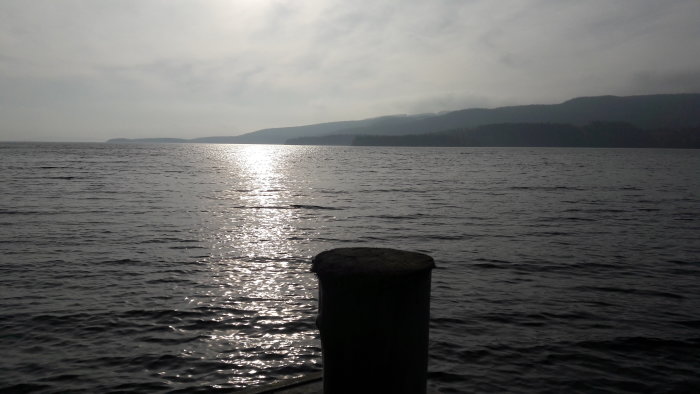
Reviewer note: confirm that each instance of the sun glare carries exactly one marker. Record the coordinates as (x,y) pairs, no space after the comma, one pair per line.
(260,227)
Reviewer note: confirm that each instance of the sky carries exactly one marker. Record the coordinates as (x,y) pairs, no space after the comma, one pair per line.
(90,70)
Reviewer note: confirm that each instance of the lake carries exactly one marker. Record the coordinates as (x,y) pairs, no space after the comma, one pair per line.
(157,268)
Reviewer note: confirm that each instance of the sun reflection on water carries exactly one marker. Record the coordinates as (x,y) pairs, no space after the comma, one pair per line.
(261,291)
(262,170)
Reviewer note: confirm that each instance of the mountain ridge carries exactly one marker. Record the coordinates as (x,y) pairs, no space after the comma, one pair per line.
(654,111)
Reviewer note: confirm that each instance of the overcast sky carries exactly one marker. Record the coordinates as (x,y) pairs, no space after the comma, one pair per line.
(89,70)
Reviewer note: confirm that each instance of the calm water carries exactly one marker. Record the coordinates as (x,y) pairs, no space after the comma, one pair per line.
(156,268)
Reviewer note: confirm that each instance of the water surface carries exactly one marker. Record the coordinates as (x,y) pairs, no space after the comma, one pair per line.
(186,267)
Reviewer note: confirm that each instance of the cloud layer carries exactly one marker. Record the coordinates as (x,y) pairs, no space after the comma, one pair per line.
(91,70)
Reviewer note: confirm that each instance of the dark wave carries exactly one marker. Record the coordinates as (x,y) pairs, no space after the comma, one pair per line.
(314,207)
(632,291)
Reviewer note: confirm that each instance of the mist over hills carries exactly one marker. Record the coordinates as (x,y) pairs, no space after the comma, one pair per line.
(652,111)
(661,113)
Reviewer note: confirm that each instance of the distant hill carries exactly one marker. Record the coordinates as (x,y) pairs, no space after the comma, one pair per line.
(646,112)
(595,134)
(333,139)
(670,111)
(282,134)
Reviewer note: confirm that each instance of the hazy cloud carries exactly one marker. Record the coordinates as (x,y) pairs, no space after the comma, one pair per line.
(91,70)
(686,81)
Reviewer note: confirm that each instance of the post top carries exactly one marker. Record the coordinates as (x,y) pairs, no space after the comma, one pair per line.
(370,261)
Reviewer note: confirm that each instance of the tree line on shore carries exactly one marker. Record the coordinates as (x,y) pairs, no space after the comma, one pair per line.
(595,134)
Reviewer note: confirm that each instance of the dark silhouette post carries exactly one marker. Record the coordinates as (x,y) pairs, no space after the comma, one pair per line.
(373,316)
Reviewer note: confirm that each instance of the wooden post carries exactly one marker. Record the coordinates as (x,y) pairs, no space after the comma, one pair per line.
(374,306)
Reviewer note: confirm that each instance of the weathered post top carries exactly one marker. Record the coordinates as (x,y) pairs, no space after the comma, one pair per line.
(374,312)
(370,262)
